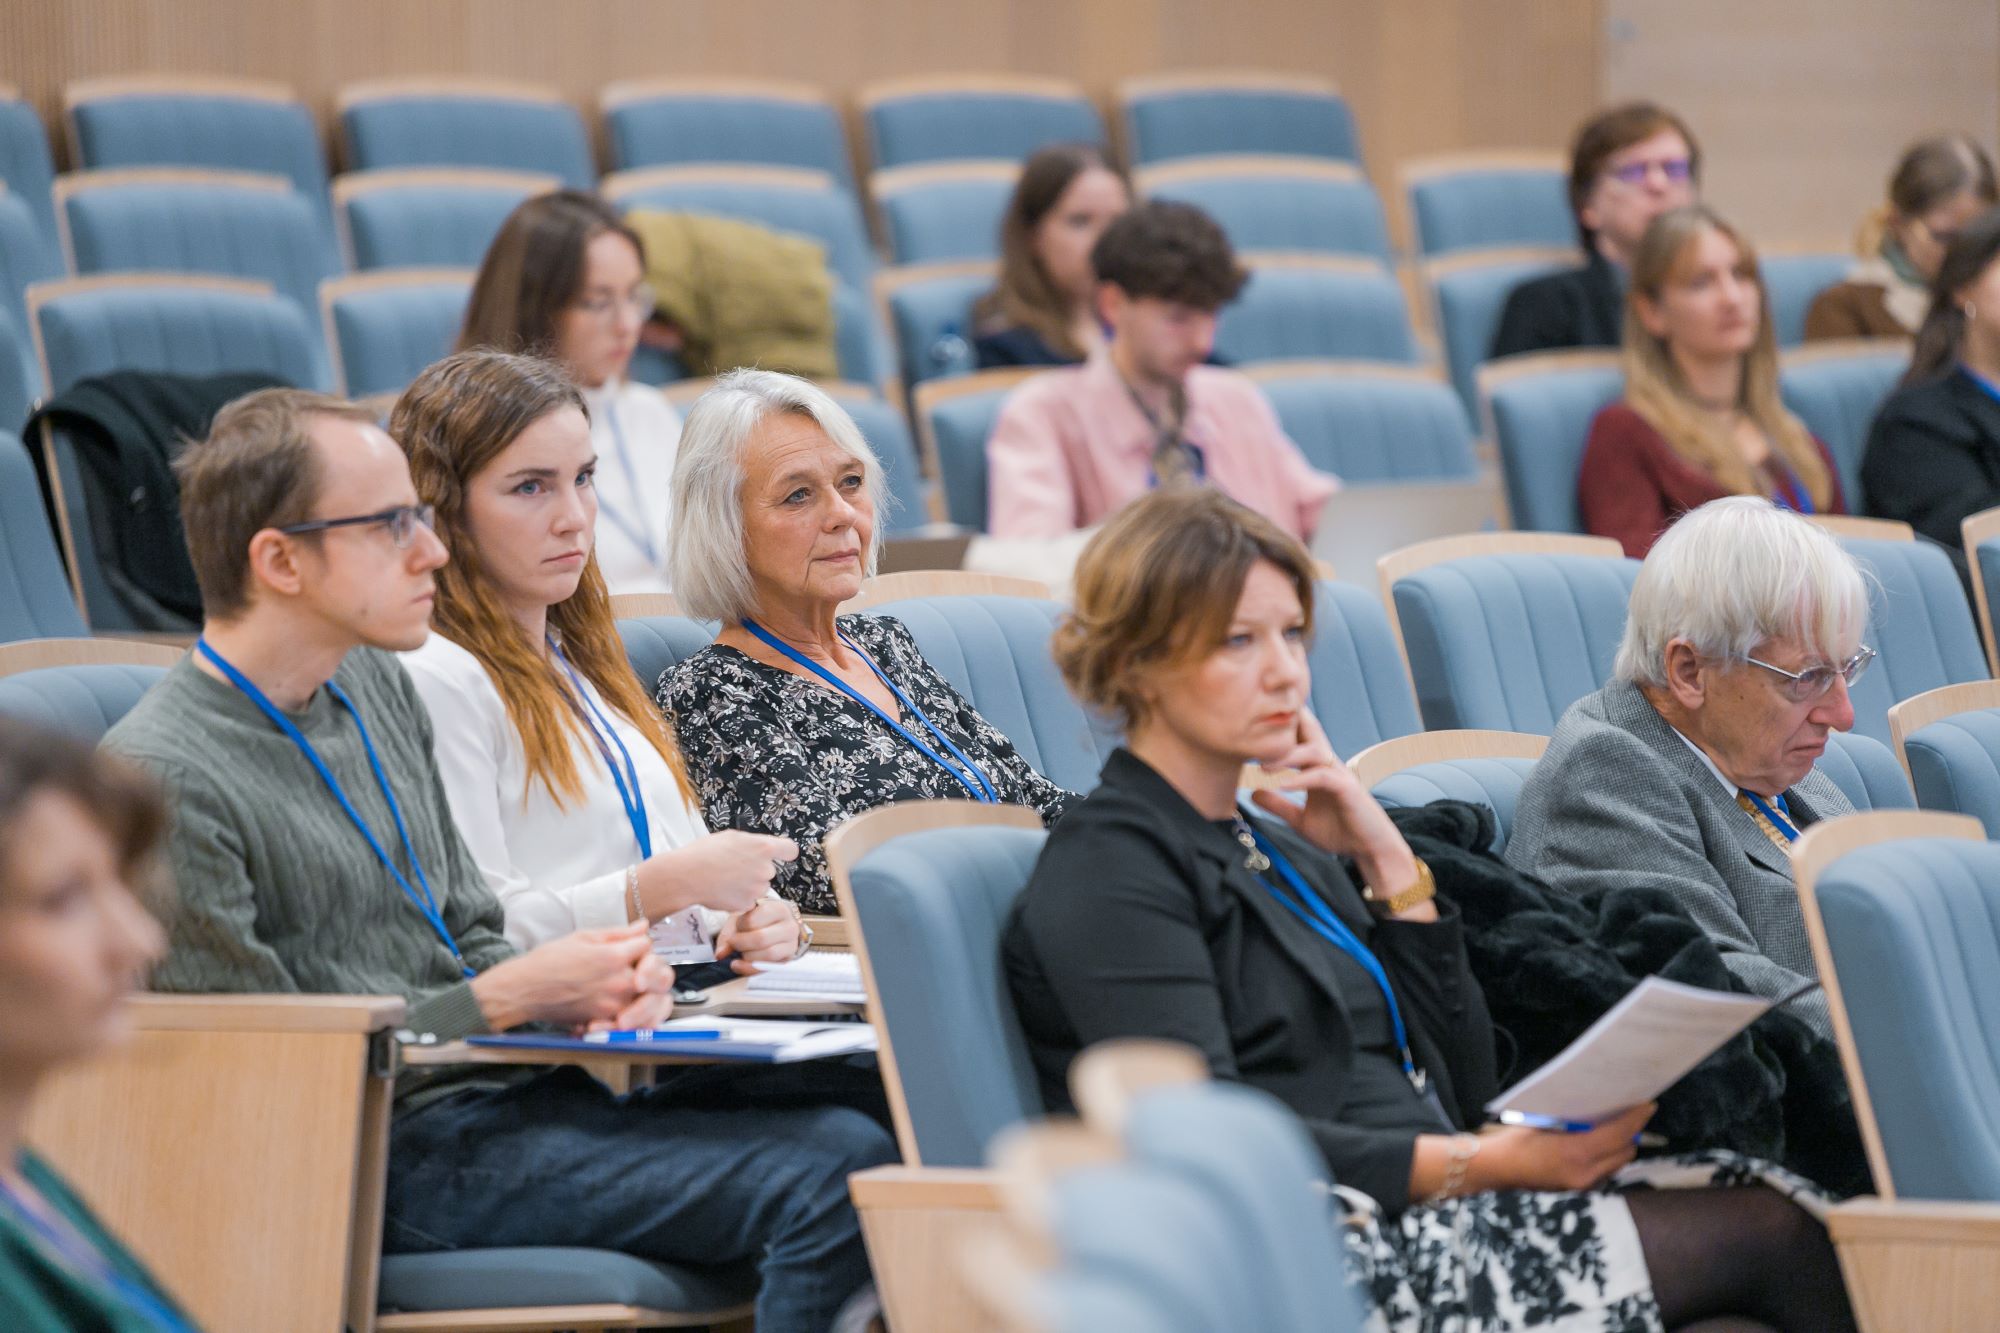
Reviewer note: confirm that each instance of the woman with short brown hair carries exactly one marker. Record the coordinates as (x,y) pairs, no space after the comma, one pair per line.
(1306,954)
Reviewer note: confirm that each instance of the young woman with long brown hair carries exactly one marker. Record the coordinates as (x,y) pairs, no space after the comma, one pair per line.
(1701,417)
(1041,312)
(564,780)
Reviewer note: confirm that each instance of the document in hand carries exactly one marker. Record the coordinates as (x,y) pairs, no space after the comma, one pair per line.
(1637,1051)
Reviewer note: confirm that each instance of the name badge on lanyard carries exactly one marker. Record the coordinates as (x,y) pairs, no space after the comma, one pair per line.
(419,894)
(968,776)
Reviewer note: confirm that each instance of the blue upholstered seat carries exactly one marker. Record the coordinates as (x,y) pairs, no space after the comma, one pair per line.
(810,205)
(946,213)
(666,125)
(1492,782)
(1092,1301)
(1163,122)
(231,228)
(1955,764)
(28,171)
(449,127)
(1792,281)
(1336,309)
(959,426)
(1469,292)
(888,434)
(1391,426)
(517,1277)
(1328,208)
(654,645)
(1911,926)
(861,346)
(257,129)
(943,124)
(1921,627)
(930,319)
(383,335)
(1506,642)
(1360,693)
(929,907)
(1489,205)
(182,328)
(35,600)
(1837,395)
(21,263)
(995,651)
(426,219)
(1866,772)
(1164,1230)
(1542,412)
(80,701)
(1248,1152)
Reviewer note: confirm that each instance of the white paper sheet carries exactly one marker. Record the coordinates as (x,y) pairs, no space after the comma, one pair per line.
(1634,1053)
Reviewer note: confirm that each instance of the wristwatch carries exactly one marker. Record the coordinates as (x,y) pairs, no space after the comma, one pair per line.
(1425,888)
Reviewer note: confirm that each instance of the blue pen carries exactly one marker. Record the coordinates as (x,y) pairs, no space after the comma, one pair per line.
(642,1036)
(1548,1122)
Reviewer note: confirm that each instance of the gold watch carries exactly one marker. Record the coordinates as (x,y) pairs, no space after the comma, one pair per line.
(1423,890)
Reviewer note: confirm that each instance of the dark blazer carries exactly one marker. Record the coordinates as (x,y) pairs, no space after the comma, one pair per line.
(1934,456)
(1579,307)
(1018,345)
(1141,921)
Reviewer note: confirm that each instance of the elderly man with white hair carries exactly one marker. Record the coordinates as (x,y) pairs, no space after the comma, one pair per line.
(1694,769)
(797,717)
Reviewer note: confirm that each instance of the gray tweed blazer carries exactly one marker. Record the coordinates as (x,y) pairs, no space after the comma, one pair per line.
(1620,800)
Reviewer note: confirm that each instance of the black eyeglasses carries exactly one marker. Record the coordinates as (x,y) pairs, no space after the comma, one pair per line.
(402,523)
(1804,686)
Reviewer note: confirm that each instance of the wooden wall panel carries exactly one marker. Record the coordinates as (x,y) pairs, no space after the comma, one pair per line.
(1424,75)
(1803,105)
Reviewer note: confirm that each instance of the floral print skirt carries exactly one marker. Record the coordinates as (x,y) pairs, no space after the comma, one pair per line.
(1518,1259)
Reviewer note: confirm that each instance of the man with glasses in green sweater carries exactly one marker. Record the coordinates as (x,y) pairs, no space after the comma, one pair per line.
(315,852)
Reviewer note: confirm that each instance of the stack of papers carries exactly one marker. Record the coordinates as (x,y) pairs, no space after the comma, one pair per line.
(817,976)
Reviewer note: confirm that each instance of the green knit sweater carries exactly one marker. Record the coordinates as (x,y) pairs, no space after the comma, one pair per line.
(41,1294)
(276,890)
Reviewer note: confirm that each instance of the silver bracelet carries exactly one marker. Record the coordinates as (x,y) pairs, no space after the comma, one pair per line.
(1464,1147)
(632,892)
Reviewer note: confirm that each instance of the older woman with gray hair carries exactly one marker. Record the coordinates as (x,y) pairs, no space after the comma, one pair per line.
(1694,770)
(796,717)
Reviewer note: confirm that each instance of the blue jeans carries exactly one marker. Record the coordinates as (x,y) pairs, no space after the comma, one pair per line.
(712,1169)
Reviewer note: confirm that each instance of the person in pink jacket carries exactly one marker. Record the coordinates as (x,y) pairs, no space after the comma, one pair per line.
(1073,446)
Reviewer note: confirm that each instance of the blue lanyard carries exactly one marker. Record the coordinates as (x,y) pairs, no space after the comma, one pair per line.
(1992,390)
(969,778)
(1780,817)
(424,902)
(627,778)
(635,532)
(1308,907)
(76,1252)
(1792,493)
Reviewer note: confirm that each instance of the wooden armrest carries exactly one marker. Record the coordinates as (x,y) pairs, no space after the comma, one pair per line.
(1919,1263)
(830,932)
(971,1188)
(267,1013)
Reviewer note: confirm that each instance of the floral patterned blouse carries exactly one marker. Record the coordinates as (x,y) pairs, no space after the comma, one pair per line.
(774,752)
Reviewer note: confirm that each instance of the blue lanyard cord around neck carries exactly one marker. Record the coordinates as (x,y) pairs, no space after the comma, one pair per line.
(969,777)
(1299,899)
(75,1252)
(627,776)
(1991,389)
(635,531)
(424,901)
(1777,812)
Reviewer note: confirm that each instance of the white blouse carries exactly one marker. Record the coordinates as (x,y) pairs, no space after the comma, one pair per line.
(636,433)
(555,869)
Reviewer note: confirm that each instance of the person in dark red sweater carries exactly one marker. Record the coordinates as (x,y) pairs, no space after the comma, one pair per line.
(1701,417)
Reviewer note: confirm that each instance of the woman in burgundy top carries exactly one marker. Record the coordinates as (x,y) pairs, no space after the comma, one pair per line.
(1701,417)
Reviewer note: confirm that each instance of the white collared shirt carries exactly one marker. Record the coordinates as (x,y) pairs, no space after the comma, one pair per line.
(1731,788)
(632,500)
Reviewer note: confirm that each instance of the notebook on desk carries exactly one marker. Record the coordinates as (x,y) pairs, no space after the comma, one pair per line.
(751,1040)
